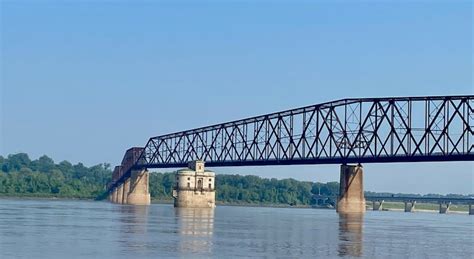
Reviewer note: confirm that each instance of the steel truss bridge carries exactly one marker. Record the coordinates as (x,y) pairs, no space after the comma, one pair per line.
(354,130)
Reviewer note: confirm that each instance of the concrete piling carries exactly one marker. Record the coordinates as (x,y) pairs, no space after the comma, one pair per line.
(139,193)
(444,207)
(126,190)
(410,206)
(377,205)
(114,195)
(351,190)
(119,194)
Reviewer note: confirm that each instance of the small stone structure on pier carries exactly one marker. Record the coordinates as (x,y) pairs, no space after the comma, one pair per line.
(195,187)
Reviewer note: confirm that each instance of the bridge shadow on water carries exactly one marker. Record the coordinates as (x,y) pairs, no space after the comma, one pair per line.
(351,234)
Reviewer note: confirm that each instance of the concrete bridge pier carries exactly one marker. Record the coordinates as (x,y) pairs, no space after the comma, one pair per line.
(351,190)
(119,194)
(126,190)
(410,206)
(139,193)
(444,207)
(114,195)
(471,209)
(377,205)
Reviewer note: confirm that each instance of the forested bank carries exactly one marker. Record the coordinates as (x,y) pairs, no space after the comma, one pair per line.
(22,177)
(240,189)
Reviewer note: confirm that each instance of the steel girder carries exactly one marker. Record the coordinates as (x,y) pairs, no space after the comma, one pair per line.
(367,130)
(370,130)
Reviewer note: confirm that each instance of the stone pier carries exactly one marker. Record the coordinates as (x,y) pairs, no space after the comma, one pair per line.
(410,206)
(444,207)
(377,205)
(351,190)
(119,194)
(195,187)
(114,195)
(126,190)
(139,193)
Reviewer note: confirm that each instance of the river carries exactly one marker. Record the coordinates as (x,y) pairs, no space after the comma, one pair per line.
(88,229)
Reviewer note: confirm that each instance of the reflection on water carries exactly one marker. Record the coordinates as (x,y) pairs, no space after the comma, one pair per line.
(86,229)
(134,227)
(350,234)
(196,227)
(135,218)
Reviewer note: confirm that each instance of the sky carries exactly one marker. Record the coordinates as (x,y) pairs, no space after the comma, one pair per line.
(85,80)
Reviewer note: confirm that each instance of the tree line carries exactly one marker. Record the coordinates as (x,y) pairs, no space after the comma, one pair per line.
(240,189)
(21,176)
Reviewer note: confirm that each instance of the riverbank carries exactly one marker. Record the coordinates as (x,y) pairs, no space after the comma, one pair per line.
(240,204)
(387,206)
(422,207)
(26,197)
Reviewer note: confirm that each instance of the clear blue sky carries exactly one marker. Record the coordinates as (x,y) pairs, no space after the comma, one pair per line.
(85,80)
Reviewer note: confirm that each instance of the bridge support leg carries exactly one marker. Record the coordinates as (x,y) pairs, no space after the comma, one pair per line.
(444,207)
(139,193)
(119,194)
(410,206)
(351,190)
(114,195)
(126,190)
(377,205)
(471,209)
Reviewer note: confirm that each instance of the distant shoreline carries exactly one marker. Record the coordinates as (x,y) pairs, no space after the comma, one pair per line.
(231,204)
(44,198)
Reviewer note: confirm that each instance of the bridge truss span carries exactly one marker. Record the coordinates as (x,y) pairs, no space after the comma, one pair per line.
(369,130)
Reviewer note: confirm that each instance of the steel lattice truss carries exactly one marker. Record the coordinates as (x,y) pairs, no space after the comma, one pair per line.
(371,130)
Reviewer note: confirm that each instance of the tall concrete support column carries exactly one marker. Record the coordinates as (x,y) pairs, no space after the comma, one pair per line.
(119,194)
(377,205)
(126,190)
(139,193)
(410,206)
(351,190)
(471,209)
(444,207)
(114,195)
